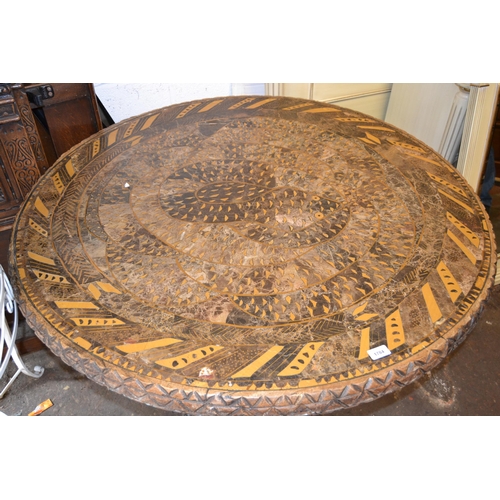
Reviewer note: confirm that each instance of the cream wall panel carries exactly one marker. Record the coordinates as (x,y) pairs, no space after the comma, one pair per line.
(369,98)
(422,109)
(295,90)
(372,105)
(481,113)
(345,91)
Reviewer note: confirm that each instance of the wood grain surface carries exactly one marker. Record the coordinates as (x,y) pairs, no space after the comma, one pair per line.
(242,255)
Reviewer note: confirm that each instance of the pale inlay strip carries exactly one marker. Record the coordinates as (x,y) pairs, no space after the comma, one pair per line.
(146,346)
(430,302)
(250,369)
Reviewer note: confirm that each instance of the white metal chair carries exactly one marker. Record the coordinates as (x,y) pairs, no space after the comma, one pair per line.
(8,349)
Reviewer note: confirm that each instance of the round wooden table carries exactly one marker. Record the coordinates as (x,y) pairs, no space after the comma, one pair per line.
(252,255)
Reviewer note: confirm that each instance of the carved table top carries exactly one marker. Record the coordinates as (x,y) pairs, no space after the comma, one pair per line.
(242,255)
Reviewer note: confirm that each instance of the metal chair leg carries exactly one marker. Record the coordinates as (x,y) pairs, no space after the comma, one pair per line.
(8,349)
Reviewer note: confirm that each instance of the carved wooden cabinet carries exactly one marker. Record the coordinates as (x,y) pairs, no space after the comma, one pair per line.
(21,156)
(38,123)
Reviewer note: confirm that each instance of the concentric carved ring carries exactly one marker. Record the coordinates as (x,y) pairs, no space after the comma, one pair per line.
(245,255)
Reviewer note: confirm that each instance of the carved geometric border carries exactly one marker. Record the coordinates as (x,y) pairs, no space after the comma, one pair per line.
(332,398)
(204,401)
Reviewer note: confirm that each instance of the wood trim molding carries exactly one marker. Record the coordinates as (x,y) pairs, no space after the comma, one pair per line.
(360,95)
(481,113)
(278,89)
(452,136)
(477,126)
(274,89)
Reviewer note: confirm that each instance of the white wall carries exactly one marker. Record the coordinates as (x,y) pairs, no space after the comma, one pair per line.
(123,100)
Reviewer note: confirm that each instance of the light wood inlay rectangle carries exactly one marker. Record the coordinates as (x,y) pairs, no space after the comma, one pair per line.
(146,346)
(150,121)
(462,247)
(458,202)
(261,103)
(432,306)
(394,330)
(112,137)
(209,106)
(70,169)
(250,369)
(39,205)
(41,258)
(302,360)
(321,110)
(364,343)
(75,305)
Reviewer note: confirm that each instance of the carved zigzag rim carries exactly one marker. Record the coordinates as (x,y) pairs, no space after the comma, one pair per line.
(330,398)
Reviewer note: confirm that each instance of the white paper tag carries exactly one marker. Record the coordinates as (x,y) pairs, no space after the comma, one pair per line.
(378,352)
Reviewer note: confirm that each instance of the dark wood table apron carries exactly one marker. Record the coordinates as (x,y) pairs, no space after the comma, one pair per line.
(249,255)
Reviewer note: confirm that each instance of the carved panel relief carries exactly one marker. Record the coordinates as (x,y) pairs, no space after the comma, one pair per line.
(23,162)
